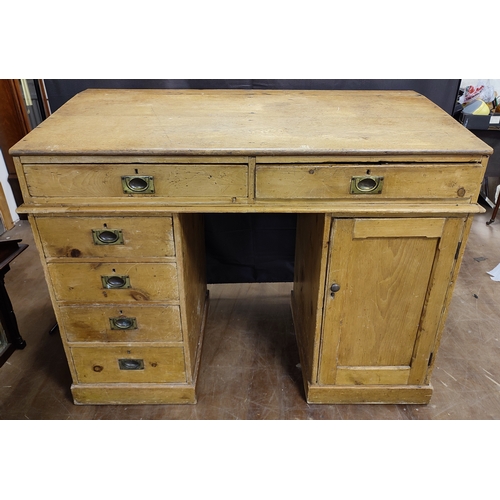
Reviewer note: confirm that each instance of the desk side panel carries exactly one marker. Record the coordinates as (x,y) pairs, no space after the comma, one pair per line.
(309,285)
(190,243)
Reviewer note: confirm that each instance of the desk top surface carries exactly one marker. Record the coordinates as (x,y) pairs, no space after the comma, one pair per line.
(240,122)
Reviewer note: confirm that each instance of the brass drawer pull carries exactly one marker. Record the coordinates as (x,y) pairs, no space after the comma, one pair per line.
(115,281)
(367,184)
(138,184)
(131,364)
(123,323)
(107,236)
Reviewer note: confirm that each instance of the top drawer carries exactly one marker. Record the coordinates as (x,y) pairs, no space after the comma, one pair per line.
(460,182)
(207,182)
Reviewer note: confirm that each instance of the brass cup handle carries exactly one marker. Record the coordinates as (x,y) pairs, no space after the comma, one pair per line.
(112,282)
(367,184)
(139,184)
(131,364)
(123,323)
(107,236)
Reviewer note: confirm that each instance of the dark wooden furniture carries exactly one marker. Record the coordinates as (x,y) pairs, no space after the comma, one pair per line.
(14,125)
(492,138)
(11,338)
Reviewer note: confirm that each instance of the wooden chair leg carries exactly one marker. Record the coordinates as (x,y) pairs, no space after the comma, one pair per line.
(495,211)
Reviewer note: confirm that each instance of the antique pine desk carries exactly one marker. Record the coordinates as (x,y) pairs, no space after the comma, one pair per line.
(385,185)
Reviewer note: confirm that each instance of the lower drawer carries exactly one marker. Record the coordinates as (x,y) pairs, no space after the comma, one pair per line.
(127,364)
(121,324)
(83,282)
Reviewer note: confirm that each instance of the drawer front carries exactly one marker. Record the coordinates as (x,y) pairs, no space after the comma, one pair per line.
(309,182)
(96,365)
(121,324)
(115,237)
(203,182)
(83,282)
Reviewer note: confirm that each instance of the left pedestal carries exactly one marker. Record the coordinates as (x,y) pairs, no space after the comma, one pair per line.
(130,298)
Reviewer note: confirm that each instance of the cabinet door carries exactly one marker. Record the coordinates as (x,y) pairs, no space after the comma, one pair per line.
(380,326)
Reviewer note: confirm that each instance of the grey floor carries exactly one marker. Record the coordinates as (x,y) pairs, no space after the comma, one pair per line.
(249,368)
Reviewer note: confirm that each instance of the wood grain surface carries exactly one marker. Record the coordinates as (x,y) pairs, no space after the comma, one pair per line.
(392,255)
(212,122)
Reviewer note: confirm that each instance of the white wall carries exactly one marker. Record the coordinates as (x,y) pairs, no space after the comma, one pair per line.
(4,176)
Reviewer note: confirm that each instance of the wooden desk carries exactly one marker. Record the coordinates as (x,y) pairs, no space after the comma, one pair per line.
(385,185)
(11,338)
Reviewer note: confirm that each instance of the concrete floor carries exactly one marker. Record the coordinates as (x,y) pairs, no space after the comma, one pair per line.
(249,365)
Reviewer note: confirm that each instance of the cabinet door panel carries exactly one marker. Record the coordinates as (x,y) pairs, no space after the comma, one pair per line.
(388,280)
(386,270)
(372,375)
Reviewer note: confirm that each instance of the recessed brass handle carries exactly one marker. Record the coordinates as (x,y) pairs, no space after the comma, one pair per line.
(123,323)
(138,184)
(131,364)
(115,281)
(107,236)
(367,184)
